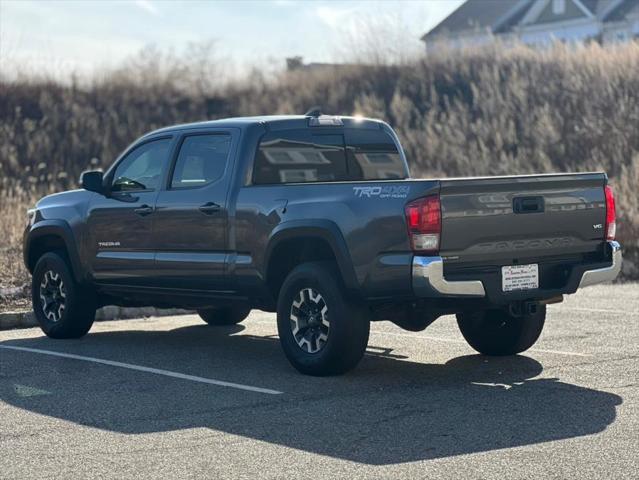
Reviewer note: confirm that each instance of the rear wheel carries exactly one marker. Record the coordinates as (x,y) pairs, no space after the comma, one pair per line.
(62,307)
(224,315)
(496,332)
(321,330)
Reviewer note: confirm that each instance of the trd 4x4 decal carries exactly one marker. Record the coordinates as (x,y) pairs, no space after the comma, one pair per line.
(390,191)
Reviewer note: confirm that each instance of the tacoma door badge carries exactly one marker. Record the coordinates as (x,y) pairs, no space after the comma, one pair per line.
(108,244)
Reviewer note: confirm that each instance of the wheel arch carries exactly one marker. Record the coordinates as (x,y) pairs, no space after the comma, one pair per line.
(52,235)
(296,242)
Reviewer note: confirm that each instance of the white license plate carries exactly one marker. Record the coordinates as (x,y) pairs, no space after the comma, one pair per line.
(519,277)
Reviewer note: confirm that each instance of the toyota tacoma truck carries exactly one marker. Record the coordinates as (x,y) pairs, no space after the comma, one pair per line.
(316,217)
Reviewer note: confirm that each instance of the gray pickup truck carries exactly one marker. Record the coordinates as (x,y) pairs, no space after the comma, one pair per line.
(316,218)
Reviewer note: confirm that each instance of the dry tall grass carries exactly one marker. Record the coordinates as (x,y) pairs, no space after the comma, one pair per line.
(487,111)
(14,278)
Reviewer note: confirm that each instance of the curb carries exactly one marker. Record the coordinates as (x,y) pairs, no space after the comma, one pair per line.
(11,320)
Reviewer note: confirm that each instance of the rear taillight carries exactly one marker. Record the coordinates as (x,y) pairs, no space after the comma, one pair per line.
(424,220)
(611,216)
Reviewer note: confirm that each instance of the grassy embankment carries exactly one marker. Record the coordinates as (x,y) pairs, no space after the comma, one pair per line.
(484,112)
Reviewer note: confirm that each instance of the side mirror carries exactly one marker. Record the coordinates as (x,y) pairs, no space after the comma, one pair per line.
(92,181)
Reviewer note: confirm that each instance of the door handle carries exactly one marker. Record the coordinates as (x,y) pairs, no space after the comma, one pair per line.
(209,208)
(143,210)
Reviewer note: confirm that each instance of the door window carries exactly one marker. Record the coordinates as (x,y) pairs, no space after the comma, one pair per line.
(202,160)
(142,168)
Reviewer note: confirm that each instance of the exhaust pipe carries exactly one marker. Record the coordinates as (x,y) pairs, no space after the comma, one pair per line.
(549,301)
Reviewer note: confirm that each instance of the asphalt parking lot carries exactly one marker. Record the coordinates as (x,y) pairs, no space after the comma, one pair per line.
(173,397)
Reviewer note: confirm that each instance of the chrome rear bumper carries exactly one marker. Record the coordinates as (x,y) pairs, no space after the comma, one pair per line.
(429,281)
(606,274)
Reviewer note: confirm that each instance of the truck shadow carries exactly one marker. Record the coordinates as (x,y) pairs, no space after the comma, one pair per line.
(389,410)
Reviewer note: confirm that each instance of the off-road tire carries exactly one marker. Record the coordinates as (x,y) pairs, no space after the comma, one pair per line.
(224,315)
(346,334)
(496,332)
(76,317)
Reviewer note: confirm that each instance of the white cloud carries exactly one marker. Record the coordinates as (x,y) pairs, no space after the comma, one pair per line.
(147,6)
(333,17)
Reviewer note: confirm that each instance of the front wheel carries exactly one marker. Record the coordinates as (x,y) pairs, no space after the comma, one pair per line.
(62,307)
(496,332)
(322,331)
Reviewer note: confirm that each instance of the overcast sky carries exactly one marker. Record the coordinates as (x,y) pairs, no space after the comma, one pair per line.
(84,36)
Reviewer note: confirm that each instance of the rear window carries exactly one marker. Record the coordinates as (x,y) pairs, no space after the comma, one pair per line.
(298,156)
(308,155)
(373,155)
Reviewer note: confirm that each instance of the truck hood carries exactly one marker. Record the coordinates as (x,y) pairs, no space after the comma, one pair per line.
(70,198)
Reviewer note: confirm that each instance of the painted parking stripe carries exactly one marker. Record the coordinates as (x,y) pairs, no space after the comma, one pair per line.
(596,310)
(139,368)
(452,340)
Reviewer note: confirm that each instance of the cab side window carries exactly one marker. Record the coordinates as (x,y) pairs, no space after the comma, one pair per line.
(202,160)
(141,169)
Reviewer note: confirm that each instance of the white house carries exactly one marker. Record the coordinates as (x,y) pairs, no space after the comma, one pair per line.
(536,22)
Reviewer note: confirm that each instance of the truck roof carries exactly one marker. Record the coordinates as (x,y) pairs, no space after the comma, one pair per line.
(274,122)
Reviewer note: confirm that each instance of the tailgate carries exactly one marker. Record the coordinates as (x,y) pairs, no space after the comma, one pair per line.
(506,220)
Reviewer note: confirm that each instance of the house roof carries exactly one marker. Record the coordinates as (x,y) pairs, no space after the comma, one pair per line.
(623,10)
(601,7)
(478,15)
(499,16)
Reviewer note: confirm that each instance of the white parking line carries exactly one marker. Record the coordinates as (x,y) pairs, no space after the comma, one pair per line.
(560,352)
(139,368)
(595,310)
(452,340)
